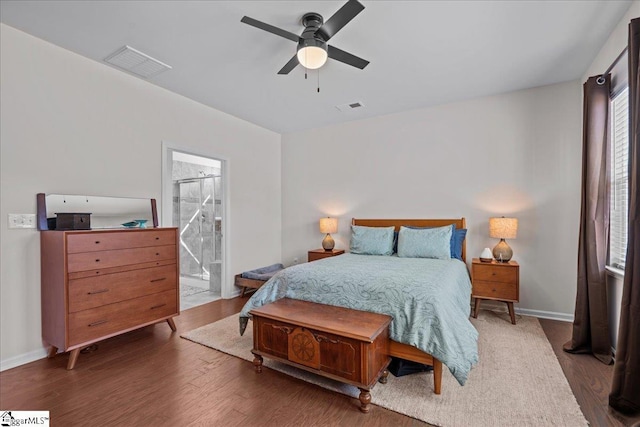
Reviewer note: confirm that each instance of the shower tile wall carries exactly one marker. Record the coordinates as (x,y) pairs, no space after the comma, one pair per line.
(190,195)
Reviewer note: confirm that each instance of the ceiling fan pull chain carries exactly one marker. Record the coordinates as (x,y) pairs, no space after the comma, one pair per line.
(306,62)
(318,80)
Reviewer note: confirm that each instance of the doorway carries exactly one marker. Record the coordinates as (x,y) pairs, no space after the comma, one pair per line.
(197,210)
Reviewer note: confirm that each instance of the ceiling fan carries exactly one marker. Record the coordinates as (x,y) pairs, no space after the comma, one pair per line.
(313,50)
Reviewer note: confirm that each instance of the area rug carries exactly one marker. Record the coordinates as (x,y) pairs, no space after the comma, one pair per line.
(518,380)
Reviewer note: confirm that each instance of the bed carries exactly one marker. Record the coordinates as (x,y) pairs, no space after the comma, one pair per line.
(428,298)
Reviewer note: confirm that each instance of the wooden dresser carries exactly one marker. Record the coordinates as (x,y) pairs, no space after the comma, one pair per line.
(100,283)
(346,345)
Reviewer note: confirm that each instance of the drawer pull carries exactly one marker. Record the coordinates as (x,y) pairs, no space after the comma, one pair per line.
(321,338)
(158,280)
(157,253)
(98,260)
(101,291)
(97,242)
(99,322)
(157,238)
(157,306)
(287,330)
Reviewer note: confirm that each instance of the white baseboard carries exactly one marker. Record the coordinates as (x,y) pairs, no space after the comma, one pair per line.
(22,359)
(563,317)
(500,306)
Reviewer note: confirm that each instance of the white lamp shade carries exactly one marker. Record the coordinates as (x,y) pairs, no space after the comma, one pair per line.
(312,57)
(503,228)
(328,225)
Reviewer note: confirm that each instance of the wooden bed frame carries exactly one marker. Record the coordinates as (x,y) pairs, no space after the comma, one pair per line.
(397,349)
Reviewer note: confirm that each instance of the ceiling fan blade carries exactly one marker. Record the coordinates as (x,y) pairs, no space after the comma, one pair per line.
(289,66)
(347,58)
(339,19)
(271,29)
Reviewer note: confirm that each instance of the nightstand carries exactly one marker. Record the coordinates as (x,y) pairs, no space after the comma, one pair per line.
(317,254)
(495,281)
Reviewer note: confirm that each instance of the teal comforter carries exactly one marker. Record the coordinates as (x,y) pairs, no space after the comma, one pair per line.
(427,298)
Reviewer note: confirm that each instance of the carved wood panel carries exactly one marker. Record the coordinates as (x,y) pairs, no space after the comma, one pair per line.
(304,348)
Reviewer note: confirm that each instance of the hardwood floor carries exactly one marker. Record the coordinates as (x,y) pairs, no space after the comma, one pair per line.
(153,377)
(590,379)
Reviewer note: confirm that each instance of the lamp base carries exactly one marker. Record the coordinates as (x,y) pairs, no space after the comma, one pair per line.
(502,252)
(328,243)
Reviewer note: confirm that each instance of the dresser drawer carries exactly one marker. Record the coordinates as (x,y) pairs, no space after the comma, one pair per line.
(105,289)
(495,274)
(103,241)
(495,290)
(97,323)
(105,259)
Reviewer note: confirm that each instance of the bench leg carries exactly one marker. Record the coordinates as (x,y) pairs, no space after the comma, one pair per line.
(437,376)
(365,399)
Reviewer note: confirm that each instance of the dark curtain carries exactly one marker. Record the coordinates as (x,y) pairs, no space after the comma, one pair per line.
(625,390)
(591,322)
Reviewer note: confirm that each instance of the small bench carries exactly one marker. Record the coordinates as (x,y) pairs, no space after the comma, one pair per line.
(346,345)
(253,279)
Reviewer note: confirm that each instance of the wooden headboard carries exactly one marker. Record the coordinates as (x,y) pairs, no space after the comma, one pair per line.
(459,222)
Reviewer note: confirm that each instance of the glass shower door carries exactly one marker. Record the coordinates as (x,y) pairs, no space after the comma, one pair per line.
(196,223)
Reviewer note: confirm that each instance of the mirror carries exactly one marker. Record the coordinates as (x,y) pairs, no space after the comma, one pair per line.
(106,212)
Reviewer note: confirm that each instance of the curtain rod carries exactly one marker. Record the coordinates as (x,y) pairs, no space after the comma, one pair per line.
(600,80)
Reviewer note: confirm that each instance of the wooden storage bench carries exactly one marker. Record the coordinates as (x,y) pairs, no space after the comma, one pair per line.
(248,283)
(346,345)
(255,278)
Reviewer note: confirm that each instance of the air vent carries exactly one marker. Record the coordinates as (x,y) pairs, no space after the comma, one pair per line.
(136,62)
(350,107)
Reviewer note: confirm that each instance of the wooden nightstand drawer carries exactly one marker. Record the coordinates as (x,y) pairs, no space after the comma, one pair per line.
(494,290)
(494,273)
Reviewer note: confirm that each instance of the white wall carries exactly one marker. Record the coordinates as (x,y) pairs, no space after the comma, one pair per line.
(514,154)
(72,125)
(613,46)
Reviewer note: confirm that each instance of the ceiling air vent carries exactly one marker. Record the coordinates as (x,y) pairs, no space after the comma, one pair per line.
(350,107)
(136,62)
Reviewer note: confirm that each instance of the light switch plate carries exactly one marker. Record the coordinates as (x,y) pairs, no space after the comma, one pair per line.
(22,221)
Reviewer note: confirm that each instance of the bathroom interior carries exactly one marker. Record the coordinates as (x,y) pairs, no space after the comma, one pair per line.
(197,212)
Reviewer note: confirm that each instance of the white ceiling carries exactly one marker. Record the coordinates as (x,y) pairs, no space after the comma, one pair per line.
(422,53)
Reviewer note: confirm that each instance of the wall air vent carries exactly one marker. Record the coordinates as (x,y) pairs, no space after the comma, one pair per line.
(136,62)
(350,107)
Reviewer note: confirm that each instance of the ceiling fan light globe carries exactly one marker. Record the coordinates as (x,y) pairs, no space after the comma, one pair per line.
(312,57)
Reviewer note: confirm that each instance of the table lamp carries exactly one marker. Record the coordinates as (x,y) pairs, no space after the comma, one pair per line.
(503,228)
(328,226)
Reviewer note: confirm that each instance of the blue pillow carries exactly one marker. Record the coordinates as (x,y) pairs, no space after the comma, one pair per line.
(457,237)
(456,242)
(425,242)
(371,240)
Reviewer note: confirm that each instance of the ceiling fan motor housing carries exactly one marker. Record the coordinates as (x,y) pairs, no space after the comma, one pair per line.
(310,39)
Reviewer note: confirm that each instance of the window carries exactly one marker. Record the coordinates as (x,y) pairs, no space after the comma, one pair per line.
(618,213)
